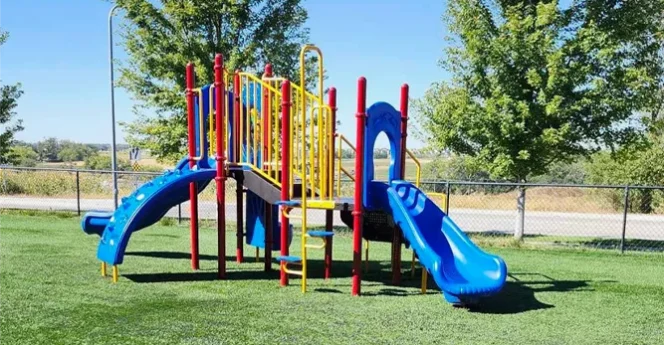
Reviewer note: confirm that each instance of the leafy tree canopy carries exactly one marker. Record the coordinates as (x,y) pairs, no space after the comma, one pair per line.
(25,156)
(9,95)
(534,83)
(162,36)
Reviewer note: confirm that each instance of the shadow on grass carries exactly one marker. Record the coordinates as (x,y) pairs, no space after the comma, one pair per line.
(630,244)
(169,277)
(518,296)
(172,255)
(489,234)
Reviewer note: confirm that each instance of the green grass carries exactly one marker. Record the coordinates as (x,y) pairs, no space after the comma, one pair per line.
(51,293)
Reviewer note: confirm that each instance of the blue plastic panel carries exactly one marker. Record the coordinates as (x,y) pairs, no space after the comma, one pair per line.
(256,225)
(381,118)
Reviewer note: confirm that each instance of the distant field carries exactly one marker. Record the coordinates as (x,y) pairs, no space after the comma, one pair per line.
(382,166)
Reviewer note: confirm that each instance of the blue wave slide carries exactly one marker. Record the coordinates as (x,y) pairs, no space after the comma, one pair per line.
(144,207)
(461,269)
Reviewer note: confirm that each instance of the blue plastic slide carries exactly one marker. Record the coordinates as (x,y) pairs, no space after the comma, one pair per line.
(144,207)
(461,269)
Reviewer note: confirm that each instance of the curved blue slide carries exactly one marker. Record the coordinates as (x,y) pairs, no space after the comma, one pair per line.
(461,269)
(144,207)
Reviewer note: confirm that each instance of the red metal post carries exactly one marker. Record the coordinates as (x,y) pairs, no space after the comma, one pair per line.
(265,155)
(329,214)
(285,172)
(403,107)
(239,193)
(220,122)
(359,164)
(193,190)
(396,239)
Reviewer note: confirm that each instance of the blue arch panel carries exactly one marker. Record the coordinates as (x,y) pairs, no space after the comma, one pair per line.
(381,118)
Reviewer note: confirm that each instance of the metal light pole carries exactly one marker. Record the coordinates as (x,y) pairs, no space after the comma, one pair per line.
(114,161)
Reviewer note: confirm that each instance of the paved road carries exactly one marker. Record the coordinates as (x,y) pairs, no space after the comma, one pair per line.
(648,227)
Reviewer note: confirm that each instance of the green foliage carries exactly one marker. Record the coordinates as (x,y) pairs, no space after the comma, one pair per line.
(167,221)
(563,172)
(454,168)
(534,83)
(48,149)
(644,167)
(381,153)
(72,152)
(51,183)
(25,156)
(9,95)
(162,36)
(347,153)
(103,162)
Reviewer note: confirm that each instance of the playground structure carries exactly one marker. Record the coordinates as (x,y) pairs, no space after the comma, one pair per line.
(277,140)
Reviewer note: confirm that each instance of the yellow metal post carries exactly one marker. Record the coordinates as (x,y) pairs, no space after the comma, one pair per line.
(103,269)
(115,273)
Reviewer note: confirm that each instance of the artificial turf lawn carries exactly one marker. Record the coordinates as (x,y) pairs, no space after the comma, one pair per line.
(51,292)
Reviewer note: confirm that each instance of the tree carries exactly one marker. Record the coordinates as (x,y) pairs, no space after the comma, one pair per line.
(73,152)
(644,167)
(103,162)
(161,38)
(48,149)
(24,155)
(535,83)
(9,95)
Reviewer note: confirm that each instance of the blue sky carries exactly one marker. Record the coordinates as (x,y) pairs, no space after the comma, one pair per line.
(59,53)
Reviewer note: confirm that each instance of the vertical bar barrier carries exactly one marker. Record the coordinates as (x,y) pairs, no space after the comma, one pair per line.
(193,190)
(357,210)
(266,160)
(624,224)
(220,179)
(285,172)
(239,196)
(236,116)
(329,214)
(78,193)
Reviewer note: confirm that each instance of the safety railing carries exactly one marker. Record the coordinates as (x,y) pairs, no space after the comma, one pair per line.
(258,132)
(340,169)
(228,77)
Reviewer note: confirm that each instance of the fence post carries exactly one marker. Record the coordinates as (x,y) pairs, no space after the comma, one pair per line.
(78,193)
(520,213)
(624,224)
(447,198)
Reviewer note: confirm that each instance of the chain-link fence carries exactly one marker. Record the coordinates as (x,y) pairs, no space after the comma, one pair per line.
(611,217)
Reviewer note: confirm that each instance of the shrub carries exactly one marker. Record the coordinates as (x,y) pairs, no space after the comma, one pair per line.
(103,162)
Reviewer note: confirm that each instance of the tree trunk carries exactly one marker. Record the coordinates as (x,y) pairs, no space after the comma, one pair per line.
(520,213)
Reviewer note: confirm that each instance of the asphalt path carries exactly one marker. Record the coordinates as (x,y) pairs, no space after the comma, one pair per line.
(647,227)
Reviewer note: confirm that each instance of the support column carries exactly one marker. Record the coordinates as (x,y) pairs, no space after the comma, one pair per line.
(239,196)
(220,179)
(396,238)
(266,157)
(329,214)
(285,172)
(358,207)
(193,189)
